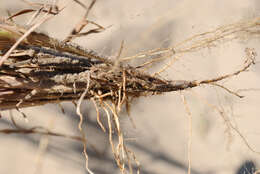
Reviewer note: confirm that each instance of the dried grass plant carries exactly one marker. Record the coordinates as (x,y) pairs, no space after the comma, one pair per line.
(37,69)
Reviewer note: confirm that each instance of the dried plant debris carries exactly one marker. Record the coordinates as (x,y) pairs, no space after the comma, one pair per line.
(40,70)
(44,70)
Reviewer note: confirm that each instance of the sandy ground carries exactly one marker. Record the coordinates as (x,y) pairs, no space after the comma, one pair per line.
(160,140)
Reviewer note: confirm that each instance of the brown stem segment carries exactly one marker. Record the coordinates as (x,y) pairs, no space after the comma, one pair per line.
(42,78)
(43,70)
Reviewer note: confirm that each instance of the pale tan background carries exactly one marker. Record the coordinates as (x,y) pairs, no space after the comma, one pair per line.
(161,137)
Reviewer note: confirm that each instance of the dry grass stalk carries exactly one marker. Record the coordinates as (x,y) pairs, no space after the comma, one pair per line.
(184,100)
